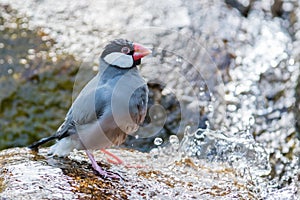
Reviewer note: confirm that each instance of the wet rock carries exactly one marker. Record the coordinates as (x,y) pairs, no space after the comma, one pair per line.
(26,175)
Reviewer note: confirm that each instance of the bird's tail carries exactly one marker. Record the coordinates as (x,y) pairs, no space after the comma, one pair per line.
(35,146)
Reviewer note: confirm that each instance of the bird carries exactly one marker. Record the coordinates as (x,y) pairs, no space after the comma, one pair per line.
(110,106)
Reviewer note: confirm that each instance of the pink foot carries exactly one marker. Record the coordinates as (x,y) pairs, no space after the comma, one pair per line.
(117,160)
(102,172)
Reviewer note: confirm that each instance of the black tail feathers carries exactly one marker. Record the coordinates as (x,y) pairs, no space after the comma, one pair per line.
(35,146)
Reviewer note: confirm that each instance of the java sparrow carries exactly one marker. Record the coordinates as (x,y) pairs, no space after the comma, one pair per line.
(110,106)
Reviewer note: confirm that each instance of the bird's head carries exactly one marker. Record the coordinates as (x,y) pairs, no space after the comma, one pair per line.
(123,53)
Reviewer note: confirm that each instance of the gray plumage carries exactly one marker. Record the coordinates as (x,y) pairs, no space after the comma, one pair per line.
(111,106)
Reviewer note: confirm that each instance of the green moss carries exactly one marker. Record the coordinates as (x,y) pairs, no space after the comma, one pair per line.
(35,91)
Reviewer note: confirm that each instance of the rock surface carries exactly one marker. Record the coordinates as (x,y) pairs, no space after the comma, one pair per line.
(27,175)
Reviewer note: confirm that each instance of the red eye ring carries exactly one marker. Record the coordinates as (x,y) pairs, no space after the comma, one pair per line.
(125,50)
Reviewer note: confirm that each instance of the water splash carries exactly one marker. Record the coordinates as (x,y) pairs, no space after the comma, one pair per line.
(217,150)
(241,151)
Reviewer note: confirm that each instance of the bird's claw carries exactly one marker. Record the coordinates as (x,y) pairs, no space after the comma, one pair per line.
(101,171)
(107,174)
(111,175)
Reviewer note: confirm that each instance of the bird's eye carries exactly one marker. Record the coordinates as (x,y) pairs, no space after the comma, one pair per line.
(125,50)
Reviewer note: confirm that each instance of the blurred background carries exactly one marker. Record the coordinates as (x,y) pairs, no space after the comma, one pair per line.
(229,65)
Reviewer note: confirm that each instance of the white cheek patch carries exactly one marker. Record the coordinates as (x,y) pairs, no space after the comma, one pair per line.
(119,59)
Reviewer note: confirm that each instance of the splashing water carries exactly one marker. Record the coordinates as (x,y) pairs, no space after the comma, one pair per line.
(214,149)
(241,151)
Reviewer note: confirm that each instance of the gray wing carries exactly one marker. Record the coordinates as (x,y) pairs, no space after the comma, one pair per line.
(88,107)
(138,104)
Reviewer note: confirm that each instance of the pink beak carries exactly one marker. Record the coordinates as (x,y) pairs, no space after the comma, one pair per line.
(140,51)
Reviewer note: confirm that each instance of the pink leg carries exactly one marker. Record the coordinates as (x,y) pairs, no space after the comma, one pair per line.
(99,169)
(116,160)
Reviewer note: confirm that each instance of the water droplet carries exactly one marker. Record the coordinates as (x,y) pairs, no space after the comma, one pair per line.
(251,121)
(54,59)
(174,142)
(210,108)
(179,59)
(198,154)
(207,124)
(174,139)
(291,61)
(31,51)
(188,131)
(10,71)
(31,57)
(10,61)
(95,68)
(231,107)
(154,153)
(158,141)
(23,61)
(199,135)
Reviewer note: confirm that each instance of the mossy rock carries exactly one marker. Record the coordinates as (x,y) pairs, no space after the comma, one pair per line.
(36,84)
